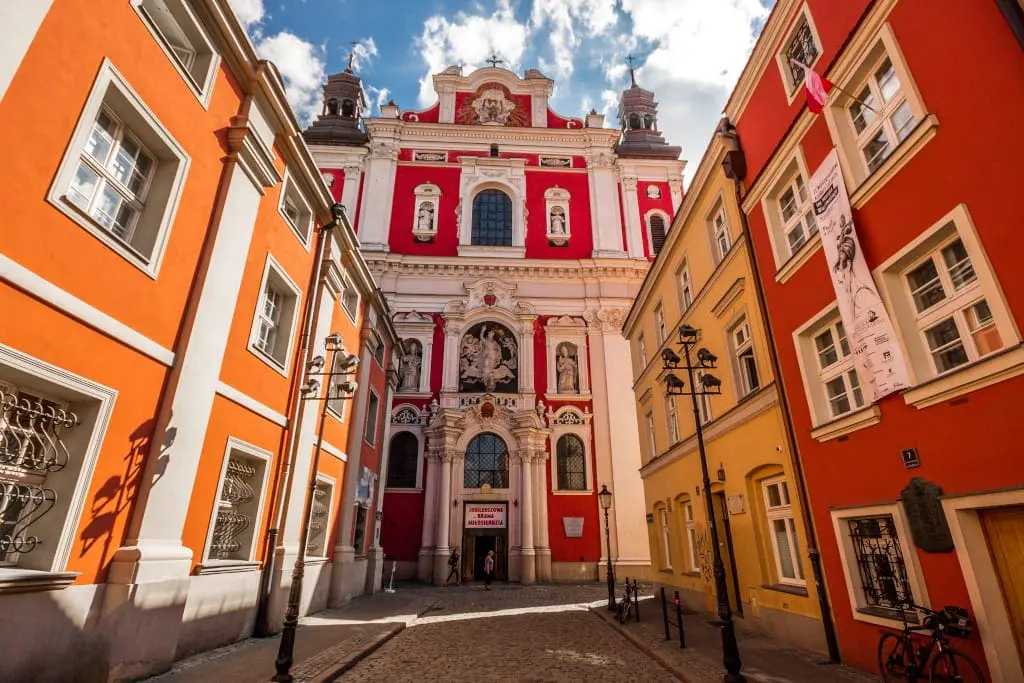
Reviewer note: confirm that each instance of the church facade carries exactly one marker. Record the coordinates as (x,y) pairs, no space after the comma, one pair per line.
(509,241)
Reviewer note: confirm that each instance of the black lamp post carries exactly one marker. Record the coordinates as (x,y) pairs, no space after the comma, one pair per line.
(310,392)
(709,385)
(604,497)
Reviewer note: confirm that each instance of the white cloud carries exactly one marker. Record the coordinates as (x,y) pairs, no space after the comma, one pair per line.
(302,67)
(376,96)
(560,19)
(468,40)
(249,12)
(363,52)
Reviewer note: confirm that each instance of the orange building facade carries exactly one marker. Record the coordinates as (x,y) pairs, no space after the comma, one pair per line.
(169,267)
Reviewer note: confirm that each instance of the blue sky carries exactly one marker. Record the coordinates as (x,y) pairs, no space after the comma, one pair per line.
(689,52)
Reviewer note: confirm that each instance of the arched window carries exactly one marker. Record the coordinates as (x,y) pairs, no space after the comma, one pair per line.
(657,225)
(572,463)
(348,108)
(403,460)
(333,106)
(486,462)
(492,219)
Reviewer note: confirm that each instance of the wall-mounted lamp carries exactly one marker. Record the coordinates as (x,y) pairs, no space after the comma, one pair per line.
(721,471)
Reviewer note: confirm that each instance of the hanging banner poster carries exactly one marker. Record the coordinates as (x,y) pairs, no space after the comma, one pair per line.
(876,354)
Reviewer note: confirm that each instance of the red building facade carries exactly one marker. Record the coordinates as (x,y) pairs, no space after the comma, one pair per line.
(510,241)
(918,496)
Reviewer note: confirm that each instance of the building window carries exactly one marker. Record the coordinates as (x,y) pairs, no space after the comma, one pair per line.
(685,286)
(181,35)
(659,323)
(835,365)
(656,229)
(703,401)
(320,518)
(122,174)
(881,571)
(652,449)
(666,539)
(691,536)
(486,462)
(492,219)
(673,419)
(782,529)
(296,211)
(359,535)
(372,405)
(641,346)
(797,214)
(239,504)
(801,47)
(350,299)
(403,461)
(718,224)
(743,352)
(378,349)
(339,399)
(275,318)
(882,118)
(572,464)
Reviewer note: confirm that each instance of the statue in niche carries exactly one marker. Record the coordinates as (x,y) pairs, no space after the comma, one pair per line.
(488,360)
(567,368)
(557,221)
(411,366)
(425,217)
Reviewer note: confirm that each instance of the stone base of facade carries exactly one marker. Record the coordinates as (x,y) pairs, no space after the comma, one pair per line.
(440,565)
(543,565)
(574,572)
(348,580)
(374,570)
(425,565)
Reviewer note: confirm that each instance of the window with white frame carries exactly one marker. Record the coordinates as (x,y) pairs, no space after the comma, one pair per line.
(652,448)
(350,298)
(666,539)
(691,536)
(296,211)
(339,399)
(703,401)
(659,323)
(571,464)
(370,430)
(880,570)
(378,349)
(881,115)
(743,353)
(239,503)
(641,347)
(673,419)
(796,212)
(656,230)
(802,47)
(276,316)
(685,286)
(182,36)
(836,369)
(718,224)
(320,518)
(782,529)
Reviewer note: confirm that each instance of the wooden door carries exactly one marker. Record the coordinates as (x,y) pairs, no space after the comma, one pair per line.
(1004,531)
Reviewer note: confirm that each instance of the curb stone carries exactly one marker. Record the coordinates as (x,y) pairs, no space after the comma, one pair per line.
(643,646)
(340,667)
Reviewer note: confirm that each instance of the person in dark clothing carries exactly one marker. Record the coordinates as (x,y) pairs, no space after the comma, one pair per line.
(453,568)
(488,569)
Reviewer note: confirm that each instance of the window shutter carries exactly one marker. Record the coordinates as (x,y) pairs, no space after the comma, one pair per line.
(657,233)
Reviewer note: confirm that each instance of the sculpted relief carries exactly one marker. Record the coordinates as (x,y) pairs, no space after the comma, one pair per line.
(567,368)
(492,105)
(488,360)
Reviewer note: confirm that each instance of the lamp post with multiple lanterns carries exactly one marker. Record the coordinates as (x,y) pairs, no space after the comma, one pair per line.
(707,385)
(339,363)
(604,497)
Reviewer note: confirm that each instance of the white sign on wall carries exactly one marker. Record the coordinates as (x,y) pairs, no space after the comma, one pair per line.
(876,354)
(573,527)
(485,516)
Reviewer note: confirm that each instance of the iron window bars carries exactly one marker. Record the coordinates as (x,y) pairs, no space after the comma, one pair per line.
(572,471)
(883,572)
(486,462)
(492,219)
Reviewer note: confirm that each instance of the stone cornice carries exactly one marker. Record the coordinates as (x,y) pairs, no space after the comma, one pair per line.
(417,132)
(448,267)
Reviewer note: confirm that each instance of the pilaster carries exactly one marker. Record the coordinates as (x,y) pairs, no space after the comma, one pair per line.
(604,200)
(378,187)
(631,209)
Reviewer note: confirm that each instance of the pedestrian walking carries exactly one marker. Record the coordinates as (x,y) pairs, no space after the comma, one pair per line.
(453,568)
(488,569)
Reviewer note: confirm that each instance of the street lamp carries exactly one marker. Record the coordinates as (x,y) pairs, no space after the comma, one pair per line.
(604,497)
(708,385)
(310,391)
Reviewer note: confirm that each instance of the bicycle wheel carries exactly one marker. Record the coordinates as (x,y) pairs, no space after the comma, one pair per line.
(954,667)
(895,657)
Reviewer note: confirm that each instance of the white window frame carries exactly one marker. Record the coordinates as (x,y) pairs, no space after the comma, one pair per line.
(641,351)
(262,457)
(275,274)
(302,225)
(783,512)
(691,535)
(931,386)
(660,323)
(673,420)
(426,193)
(377,349)
(717,221)
(337,406)
(685,285)
(843,368)
(782,60)
(332,486)
(652,443)
(738,349)
(794,172)
(703,401)
(373,396)
(350,287)
(199,75)
(112,93)
(571,420)
(666,221)
(855,592)
(666,539)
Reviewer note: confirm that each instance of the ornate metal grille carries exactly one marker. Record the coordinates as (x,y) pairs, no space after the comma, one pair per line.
(402,461)
(236,492)
(657,233)
(318,520)
(492,219)
(486,462)
(883,574)
(30,449)
(802,49)
(572,468)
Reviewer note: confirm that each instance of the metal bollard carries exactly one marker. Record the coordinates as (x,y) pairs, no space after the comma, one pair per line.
(664,614)
(636,601)
(679,619)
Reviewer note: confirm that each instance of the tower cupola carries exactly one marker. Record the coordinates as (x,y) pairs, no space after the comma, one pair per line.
(638,119)
(344,104)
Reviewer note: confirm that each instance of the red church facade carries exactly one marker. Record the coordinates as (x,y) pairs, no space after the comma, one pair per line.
(920,495)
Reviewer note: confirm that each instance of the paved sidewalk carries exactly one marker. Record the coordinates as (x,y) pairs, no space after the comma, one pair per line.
(764,660)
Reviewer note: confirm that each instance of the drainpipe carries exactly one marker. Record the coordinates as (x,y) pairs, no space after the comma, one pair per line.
(736,170)
(298,406)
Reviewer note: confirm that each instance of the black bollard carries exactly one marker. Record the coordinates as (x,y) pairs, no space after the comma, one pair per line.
(664,614)
(679,620)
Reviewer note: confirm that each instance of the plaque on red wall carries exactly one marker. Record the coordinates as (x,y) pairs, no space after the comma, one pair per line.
(573,527)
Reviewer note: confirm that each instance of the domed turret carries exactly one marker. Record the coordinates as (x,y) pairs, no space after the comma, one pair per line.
(343,108)
(638,117)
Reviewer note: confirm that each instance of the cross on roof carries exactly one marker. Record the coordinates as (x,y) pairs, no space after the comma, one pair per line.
(493,60)
(632,77)
(351,54)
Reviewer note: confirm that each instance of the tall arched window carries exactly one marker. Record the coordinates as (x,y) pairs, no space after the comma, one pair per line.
(492,219)
(486,462)
(657,225)
(571,463)
(403,461)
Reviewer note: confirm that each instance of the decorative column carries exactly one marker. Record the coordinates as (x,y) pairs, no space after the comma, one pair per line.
(444,517)
(526,361)
(378,187)
(529,571)
(450,364)
(675,186)
(540,531)
(631,209)
(604,200)
(425,562)
(350,189)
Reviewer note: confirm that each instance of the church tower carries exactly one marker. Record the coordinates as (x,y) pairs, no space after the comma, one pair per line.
(339,122)
(638,119)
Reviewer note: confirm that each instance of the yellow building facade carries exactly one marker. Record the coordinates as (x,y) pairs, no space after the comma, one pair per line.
(703,277)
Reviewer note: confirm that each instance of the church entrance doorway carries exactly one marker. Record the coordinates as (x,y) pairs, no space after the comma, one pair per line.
(485,529)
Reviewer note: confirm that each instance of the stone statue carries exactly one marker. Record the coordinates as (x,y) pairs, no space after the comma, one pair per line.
(566,366)
(434,408)
(557,221)
(540,411)
(425,217)
(482,358)
(411,366)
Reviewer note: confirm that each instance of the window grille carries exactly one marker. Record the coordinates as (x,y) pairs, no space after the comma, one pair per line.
(486,462)
(318,520)
(657,225)
(30,449)
(402,461)
(572,463)
(492,219)
(232,514)
(802,49)
(883,573)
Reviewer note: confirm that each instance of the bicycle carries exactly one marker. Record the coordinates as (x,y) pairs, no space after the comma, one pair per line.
(625,607)
(922,652)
